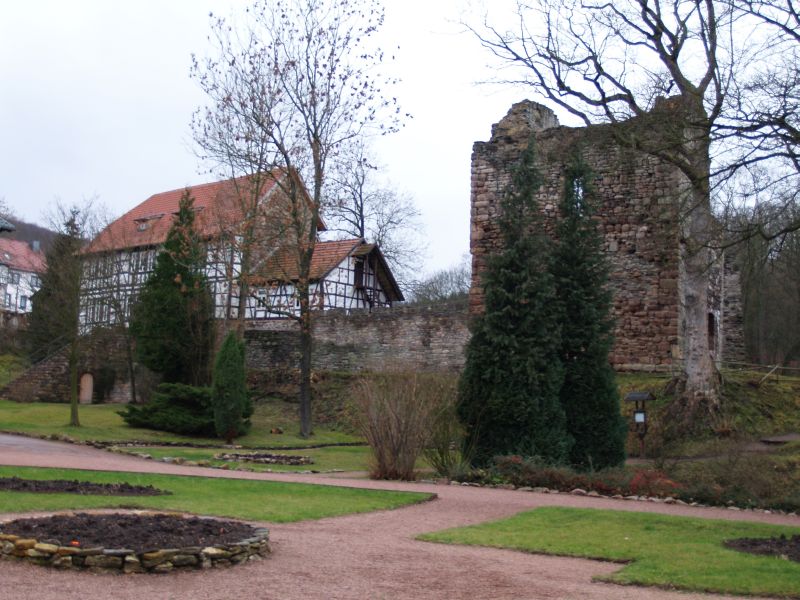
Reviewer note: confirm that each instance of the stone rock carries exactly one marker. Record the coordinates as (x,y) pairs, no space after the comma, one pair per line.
(215,553)
(593,494)
(164,567)
(103,561)
(132,564)
(578,492)
(46,548)
(184,560)
(24,544)
(62,562)
(541,490)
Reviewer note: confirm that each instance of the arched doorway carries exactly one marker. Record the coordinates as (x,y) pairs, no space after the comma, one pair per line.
(86,389)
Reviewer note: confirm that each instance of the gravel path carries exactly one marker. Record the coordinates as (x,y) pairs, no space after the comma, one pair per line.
(359,556)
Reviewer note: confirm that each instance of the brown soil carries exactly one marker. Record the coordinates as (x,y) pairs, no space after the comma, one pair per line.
(140,533)
(777,546)
(63,486)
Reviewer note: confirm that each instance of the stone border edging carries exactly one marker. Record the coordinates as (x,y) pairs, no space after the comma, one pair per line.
(594,494)
(122,560)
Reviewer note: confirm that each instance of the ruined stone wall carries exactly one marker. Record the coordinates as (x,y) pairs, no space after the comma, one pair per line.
(102,355)
(427,338)
(637,217)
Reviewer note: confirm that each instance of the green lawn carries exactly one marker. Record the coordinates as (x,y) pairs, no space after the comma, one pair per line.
(102,423)
(680,552)
(345,458)
(250,500)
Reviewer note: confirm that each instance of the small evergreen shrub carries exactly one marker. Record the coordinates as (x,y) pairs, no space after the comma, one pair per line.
(231,404)
(176,408)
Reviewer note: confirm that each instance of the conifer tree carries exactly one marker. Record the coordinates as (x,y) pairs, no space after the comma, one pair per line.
(54,320)
(232,407)
(172,320)
(508,393)
(589,394)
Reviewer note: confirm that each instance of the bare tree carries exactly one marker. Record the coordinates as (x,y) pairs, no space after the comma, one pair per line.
(55,318)
(360,206)
(288,87)
(609,62)
(445,284)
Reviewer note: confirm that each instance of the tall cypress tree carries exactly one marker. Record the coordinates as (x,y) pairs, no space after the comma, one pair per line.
(508,392)
(232,406)
(172,320)
(589,394)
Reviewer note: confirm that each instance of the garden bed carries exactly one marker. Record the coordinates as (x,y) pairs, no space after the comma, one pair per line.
(266,458)
(64,486)
(131,542)
(782,546)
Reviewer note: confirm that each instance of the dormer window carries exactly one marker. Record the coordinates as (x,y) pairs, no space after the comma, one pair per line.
(141,226)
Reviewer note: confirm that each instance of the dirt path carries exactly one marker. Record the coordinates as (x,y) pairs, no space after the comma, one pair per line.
(359,556)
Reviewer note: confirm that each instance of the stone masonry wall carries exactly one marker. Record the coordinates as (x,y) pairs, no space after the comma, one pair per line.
(636,214)
(428,338)
(102,355)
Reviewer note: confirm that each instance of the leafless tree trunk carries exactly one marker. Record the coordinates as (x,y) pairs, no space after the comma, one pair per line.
(290,86)
(613,62)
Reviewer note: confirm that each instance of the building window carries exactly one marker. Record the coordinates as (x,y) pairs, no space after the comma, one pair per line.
(8,300)
(23,302)
(35,281)
(14,277)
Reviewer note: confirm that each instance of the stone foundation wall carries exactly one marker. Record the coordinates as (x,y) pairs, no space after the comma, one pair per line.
(427,338)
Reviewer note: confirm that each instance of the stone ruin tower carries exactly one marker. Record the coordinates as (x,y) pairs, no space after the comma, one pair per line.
(637,211)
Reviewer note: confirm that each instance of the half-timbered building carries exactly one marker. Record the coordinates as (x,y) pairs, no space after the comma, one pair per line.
(21,266)
(345,274)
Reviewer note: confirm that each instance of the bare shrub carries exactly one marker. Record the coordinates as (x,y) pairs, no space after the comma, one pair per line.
(396,413)
(444,451)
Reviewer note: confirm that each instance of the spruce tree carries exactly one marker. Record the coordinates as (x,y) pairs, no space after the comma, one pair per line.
(508,392)
(172,320)
(232,407)
(589,394)
(55,313)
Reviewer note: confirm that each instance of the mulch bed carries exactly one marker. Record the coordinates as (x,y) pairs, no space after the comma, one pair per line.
(63,486)
(777,546)
(140,533)
(266,458)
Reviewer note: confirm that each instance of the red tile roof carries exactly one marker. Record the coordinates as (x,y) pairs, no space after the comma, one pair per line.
(148,223)
(20,256)
(282,266)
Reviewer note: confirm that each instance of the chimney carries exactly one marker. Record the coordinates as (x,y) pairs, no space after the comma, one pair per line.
(36,246)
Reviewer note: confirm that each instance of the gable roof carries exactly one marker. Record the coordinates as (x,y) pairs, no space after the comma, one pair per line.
(215,204)
(20,256)
(282,266)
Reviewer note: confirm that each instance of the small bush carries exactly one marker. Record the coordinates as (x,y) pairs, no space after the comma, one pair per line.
(533,472)
(395,415)
(176,408)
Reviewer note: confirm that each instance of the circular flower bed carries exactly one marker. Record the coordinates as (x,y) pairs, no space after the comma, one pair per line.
(136,542)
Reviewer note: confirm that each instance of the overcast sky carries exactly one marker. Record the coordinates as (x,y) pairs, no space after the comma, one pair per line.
(96,100)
